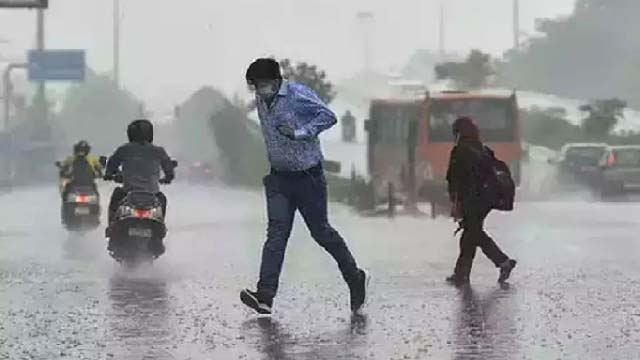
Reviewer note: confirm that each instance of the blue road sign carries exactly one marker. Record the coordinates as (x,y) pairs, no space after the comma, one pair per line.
(26,4)
(61,65)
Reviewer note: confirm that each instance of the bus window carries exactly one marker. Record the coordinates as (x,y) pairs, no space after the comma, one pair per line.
(494,117)
(392,122)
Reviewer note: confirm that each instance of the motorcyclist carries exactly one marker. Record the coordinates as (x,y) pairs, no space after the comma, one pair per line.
(79,169)
(348,123)
(141,162)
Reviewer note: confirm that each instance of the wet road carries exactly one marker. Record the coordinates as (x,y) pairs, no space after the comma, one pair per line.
(574,294)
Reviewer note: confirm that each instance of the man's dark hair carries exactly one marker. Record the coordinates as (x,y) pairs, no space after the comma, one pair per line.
(263,69)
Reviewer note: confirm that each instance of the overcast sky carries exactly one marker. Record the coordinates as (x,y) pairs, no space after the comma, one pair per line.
(172,47)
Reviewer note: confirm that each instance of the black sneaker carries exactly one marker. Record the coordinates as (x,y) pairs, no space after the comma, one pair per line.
(359,292)
(505,270)
(258,303)
(457,280)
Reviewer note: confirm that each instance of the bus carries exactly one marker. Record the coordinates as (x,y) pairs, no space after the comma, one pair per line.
(410,139)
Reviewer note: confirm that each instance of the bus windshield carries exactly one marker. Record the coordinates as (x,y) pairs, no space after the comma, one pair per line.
(494,117)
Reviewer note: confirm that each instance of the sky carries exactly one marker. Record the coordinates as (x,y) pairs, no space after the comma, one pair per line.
(170,48)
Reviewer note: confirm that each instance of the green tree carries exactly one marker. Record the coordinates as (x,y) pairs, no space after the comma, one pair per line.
(310,76)
(602,117)
(97,111)
(548,127)
(590,54)
(240,144)
(421,64)
(473,73)
(195,142)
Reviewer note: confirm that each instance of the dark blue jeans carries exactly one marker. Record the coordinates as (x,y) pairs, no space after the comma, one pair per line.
(306,192)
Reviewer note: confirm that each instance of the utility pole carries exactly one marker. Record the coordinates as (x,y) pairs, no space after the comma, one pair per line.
(516,24)
(42,90)
(7,92)
(366,20)
(116,42)
(441,33)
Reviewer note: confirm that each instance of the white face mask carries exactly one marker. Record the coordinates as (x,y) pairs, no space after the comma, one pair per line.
(267,90)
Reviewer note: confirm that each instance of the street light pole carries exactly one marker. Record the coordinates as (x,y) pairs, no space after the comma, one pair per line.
(116,42)
(40,44)
(516,24)
(441,33)
(8,91)
(366,19)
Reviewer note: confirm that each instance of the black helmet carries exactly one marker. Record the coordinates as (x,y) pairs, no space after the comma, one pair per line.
(81,147)
(263,69)
(140,131)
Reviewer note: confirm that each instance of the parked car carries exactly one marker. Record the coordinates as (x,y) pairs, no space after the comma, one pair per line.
(619,170)
(577,164)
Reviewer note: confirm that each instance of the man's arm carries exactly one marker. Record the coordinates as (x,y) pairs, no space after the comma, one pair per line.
(114,162)
(96,166)
(307,105)
(453,174)
(65,168)
(166,164)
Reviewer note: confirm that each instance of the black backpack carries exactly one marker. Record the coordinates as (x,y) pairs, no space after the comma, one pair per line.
(498,190)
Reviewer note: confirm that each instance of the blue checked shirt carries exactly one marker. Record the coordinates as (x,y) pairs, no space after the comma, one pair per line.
(299,107)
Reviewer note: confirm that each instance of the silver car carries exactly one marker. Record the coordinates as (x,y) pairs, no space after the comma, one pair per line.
(620,170)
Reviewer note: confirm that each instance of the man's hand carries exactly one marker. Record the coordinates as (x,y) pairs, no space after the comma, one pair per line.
(166,180)
(288,131)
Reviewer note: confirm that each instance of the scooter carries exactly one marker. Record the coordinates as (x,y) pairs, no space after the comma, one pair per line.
(138,228)
(80,205)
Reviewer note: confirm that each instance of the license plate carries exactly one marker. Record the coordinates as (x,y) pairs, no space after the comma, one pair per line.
(137,232)
(82,211)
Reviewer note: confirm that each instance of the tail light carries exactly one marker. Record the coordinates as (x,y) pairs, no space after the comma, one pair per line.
(155,213)
(144,214)
(126,211)
(82,198)
(611,160)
